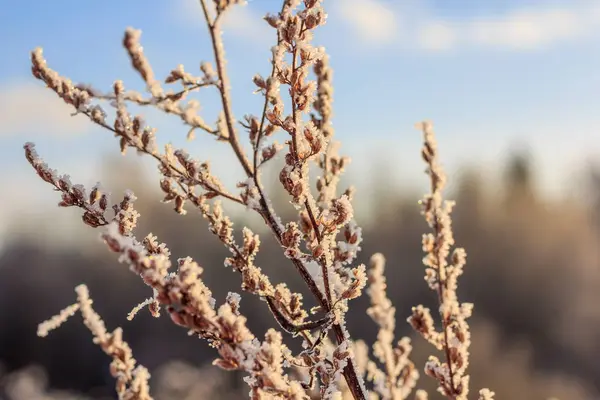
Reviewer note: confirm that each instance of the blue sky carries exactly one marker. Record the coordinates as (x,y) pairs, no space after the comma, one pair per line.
(490,74)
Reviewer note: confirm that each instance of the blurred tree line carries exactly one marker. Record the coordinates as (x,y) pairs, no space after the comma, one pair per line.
(533,271)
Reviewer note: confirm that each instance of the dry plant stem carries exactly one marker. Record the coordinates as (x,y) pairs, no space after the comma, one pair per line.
(172,167)
(217,44)
(266,213)
(296,116)
(441,276)
(400,375)
(325,302)
(131,380)
(154,102)
(350,369)
(440,293)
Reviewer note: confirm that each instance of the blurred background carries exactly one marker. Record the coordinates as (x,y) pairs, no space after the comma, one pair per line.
(513,90)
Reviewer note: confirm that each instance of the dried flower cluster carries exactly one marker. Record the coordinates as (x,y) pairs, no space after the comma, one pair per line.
(442,277)
(400,376)
(324,235)
(132,380)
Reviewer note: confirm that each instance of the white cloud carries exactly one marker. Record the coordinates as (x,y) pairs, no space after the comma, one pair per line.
(244,22)
(529,28)
(411,25)
(436,35)
(520,29)
(241,20)
(29,108)
(372,20)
